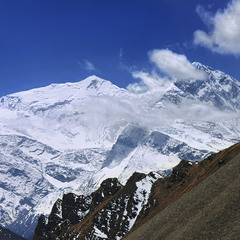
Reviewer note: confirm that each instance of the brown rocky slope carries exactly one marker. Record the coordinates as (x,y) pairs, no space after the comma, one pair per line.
(211,210)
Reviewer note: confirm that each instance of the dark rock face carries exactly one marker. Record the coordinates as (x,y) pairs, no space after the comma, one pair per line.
(114,219)
(108,188)
(41,228)
(72,209)
(6,234)
(65,213)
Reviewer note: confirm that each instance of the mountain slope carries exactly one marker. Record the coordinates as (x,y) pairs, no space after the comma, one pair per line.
(113,215)
(70,137)
(209,211)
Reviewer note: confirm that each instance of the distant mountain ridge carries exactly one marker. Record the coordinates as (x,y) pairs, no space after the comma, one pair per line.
(70,137)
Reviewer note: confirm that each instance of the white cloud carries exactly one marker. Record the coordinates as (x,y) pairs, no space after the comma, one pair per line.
(137,87)
(176,66)
(172,67)
(149,81)
(136,110)
(206,16)
(224,34)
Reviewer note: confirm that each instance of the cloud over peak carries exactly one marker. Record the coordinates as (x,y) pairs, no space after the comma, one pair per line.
(169,67)
(224,33)
(176,66)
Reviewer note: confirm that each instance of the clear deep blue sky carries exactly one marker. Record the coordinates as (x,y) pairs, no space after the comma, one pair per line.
(46,41)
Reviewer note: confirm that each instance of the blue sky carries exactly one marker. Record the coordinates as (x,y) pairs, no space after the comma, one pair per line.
(46,41)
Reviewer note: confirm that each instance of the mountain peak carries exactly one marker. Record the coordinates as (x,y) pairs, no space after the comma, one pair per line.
(201,66)
(94,82)
(92,78)
(196,64)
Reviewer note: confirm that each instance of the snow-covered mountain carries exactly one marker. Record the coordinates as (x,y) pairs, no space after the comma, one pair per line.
(70,137)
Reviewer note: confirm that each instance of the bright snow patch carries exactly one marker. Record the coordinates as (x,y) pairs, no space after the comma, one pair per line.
(99,233)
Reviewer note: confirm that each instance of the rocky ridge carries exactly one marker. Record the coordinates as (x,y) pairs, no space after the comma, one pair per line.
(115,210)
(109,213)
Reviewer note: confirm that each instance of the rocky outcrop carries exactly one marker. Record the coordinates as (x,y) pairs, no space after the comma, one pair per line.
(108,213)
(72,209)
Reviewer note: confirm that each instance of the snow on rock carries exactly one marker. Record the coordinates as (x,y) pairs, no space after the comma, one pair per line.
(119,215)
(100,234)
(141,196)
